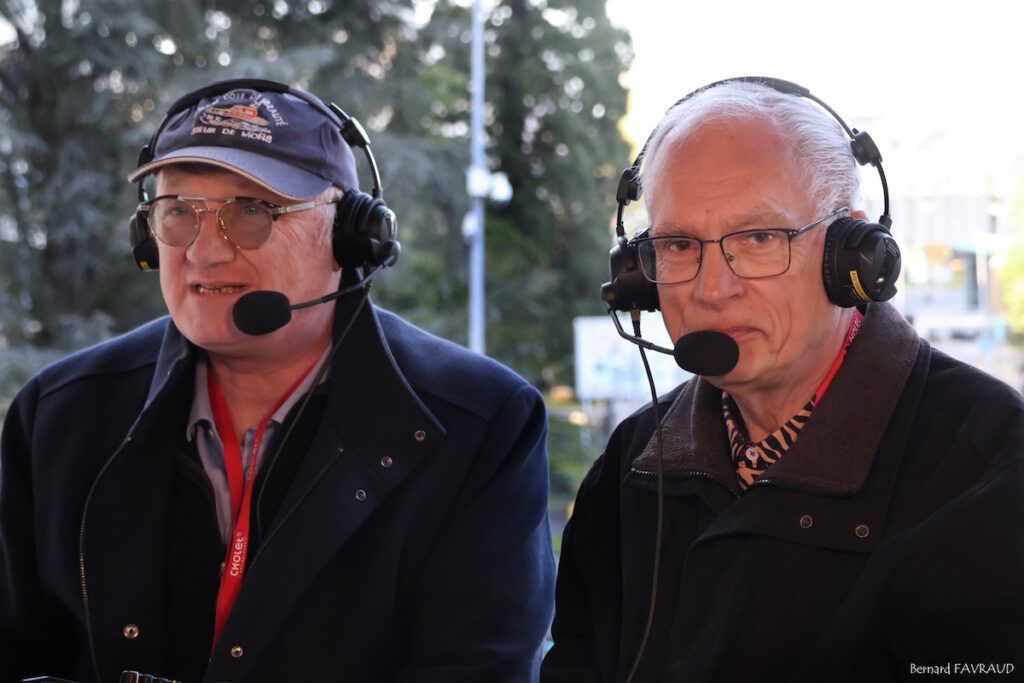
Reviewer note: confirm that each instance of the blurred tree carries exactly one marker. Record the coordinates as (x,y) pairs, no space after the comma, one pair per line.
(553,104)
(72,86)
(83,83)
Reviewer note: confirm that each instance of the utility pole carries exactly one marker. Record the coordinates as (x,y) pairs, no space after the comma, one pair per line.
(477,182)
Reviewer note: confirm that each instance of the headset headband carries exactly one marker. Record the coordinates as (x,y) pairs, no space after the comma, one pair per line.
(861,145)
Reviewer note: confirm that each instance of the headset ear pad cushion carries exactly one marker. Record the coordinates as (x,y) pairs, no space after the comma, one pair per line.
(144,248)
(860,264)
(362,226)
(628,287)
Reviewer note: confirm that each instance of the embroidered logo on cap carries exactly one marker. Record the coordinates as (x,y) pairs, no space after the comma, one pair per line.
(241,119)
(237,116)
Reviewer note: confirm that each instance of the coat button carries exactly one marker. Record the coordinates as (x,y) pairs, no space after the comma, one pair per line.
(360,495)
(386,461)
(237,651)
(862,530)
(420,435)
(130,631)
(806,522)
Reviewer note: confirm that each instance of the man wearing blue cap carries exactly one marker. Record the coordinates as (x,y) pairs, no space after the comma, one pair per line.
(233,493)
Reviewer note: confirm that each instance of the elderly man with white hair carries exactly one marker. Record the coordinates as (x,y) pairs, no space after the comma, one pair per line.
(839,501)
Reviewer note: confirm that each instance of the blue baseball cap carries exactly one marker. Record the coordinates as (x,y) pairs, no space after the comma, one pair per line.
(274,139)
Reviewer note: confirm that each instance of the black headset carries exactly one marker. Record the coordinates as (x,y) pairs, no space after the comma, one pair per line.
(861,260)
(364,227)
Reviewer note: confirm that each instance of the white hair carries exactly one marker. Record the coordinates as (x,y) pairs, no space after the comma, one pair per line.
(820,146)
(329,211)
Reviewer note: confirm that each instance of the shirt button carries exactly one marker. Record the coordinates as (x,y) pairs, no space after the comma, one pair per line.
(360,495)
(862,530)
(420,435)
(237,651)
(806,522)
(130,631)
(386,461)
(751,452)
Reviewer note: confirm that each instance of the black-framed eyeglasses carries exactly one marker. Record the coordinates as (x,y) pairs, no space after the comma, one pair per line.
(758,253)
(246,222)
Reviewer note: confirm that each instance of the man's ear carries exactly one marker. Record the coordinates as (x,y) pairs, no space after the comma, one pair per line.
(859,214)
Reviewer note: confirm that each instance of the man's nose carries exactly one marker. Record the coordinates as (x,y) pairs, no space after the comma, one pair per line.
(210,245)
(715,280)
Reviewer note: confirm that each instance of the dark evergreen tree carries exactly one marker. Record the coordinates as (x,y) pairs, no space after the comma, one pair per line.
(554,101)
(82,86)
(84,82)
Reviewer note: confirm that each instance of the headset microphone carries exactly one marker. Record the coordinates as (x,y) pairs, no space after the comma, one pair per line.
(707,353)
(265,311)
(704,352)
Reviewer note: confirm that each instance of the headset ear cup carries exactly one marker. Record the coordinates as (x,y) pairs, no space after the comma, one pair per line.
(364,230)
(383,226)
(834,293)
(342,228)
(628,288)
(860,264)
(144,248)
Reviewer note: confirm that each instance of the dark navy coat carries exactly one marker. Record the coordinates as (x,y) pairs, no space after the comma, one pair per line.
(405,537)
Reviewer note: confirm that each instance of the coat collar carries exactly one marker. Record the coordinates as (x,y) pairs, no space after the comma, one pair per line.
(835,450)
(362,368)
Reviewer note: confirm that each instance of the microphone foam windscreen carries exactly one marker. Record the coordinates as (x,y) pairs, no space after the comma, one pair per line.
(706,353)
(261,312)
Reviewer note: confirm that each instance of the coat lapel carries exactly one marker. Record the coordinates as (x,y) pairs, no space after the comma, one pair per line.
(835,451)
(820,492)
(375,432)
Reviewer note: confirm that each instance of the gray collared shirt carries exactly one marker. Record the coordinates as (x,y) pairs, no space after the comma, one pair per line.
(203,429)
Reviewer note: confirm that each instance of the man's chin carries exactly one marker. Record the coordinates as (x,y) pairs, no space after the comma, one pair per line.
(224,340)
(740,376)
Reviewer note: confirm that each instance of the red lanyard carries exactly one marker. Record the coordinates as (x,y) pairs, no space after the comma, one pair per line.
(241,485)
(855,324)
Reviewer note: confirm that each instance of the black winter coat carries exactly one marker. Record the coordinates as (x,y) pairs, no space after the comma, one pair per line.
(889,539)
(404,534)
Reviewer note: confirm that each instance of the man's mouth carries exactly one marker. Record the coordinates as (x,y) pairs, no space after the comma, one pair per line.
(217,289)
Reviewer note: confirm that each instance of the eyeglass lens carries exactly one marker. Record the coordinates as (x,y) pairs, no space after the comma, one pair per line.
(245,222)
(752,253)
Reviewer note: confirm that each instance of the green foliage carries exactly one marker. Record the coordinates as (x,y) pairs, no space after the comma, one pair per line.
(1011,274)
(84,83)
(554,88)
(569,460)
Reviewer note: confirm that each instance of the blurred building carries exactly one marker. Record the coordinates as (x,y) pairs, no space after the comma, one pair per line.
(951,199)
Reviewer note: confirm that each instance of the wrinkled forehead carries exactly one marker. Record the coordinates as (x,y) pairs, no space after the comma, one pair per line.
(719,142)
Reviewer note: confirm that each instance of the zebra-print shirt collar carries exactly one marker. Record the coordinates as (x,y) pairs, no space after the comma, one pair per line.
(752,459)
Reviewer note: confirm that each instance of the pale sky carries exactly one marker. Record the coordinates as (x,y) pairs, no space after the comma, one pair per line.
(940,76)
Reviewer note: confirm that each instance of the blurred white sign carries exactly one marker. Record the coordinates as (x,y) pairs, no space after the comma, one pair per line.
(609,367)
